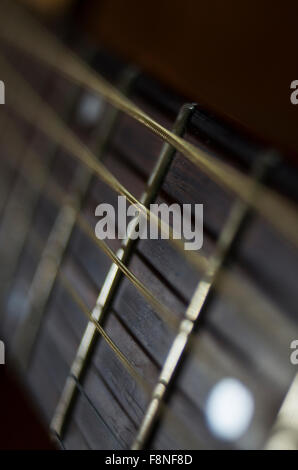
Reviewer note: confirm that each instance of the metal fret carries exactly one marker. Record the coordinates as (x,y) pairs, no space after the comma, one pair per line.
(112,280)
(223,247)
(52,257)
(59,442)
(284,435)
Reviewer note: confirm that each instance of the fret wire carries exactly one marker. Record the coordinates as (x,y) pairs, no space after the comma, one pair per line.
(269,204)
(284,434)
(46,273)
(238,214)
(112,280)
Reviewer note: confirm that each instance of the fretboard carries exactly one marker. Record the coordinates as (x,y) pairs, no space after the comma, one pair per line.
(123,343)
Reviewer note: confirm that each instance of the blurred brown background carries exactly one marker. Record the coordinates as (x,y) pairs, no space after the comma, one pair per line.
(237,58)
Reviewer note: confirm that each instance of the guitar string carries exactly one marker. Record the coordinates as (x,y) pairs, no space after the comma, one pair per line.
(30,36)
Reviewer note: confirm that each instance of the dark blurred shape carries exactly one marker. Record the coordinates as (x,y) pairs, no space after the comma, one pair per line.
(238,58)
(20,426)
(49,7)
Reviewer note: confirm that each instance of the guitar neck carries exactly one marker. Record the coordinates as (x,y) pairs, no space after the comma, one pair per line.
(127,344)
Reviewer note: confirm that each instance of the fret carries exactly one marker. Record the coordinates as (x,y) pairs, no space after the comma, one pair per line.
(59,442)
(53,253)
(284,434)
(112,280)
(227,238)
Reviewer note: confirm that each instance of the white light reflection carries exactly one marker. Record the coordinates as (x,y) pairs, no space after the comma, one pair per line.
(90,109)
(229,409)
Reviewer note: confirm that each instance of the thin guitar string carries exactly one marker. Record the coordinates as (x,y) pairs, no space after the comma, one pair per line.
(38,42)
